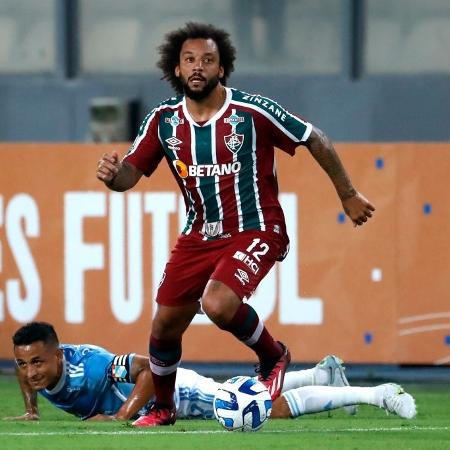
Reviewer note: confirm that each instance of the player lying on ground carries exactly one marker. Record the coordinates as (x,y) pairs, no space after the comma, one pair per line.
(92,383)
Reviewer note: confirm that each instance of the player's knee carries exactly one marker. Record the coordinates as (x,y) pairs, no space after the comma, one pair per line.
(216,311)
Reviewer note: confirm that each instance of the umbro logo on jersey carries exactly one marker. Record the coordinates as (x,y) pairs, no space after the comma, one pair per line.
(234,142)
(173,142)
(242,276)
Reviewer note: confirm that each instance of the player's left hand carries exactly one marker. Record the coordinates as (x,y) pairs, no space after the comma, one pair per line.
(358,208)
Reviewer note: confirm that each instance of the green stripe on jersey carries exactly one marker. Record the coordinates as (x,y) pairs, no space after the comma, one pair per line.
(247,178)
(165,132)
(203,153)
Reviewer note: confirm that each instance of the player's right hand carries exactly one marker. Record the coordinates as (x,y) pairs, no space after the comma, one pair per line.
(358,208)
(108,167)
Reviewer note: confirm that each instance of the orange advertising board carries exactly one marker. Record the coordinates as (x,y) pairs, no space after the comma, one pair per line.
(89,260)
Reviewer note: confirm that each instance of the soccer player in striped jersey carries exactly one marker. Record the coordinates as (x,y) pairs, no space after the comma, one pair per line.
(219,144)
(92,383)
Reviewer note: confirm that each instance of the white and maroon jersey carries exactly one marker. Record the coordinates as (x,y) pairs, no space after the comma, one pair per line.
(225,167)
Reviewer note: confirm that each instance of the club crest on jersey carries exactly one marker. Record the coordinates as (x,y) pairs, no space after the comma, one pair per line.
(234,142)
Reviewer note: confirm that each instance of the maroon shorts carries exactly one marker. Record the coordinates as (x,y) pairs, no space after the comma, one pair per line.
(240,262)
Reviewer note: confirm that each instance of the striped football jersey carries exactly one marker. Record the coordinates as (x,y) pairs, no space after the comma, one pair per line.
(225,167)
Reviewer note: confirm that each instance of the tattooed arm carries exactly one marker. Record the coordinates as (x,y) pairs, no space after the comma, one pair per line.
(355,205)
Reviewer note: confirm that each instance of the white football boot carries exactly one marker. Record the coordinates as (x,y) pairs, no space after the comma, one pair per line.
(393,399)
(336,376)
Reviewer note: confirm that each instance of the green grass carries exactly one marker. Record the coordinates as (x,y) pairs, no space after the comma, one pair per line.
(369,429)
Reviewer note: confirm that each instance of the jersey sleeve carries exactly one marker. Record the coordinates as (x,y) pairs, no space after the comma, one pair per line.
(291,133)
(146,151)
(97,362)
(283,129)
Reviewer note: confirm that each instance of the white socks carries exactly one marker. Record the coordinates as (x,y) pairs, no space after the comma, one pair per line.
(312,399)
(306,377)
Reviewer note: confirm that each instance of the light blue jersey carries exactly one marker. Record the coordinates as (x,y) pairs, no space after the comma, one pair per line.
(96,381)
(87,386)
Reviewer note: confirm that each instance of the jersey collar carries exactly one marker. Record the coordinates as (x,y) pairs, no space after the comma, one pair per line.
(213,118)
(61,381)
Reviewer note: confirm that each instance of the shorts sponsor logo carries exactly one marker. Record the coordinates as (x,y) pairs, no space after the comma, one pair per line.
(242,276)
(205,170)
(247,260)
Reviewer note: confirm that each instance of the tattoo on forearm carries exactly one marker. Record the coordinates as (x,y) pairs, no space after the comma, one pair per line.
(323,152)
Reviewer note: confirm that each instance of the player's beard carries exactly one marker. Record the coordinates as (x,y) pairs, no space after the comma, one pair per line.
(202,93)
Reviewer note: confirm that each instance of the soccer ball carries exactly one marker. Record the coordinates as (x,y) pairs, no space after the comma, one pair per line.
(242,404)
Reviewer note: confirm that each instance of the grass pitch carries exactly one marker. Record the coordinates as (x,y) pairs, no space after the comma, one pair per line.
(370,429)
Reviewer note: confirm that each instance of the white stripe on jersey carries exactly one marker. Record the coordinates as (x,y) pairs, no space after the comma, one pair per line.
(238,197)
(76,375)
(191,208)
(255,179)
(75,369)
(278,124)
(118,393)
(216,177)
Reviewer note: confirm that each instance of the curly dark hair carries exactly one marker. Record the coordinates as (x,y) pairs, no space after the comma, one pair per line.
(34,332)
(171,47)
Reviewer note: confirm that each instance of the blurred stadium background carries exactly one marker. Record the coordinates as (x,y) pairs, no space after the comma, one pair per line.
(372,73)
